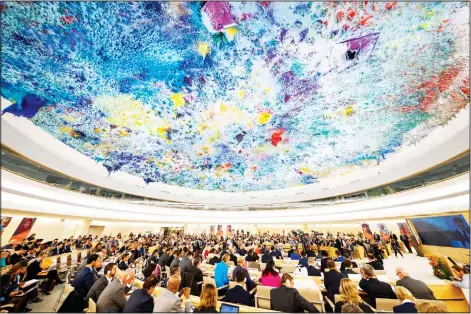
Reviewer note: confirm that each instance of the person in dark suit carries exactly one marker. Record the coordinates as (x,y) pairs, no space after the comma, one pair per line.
(232,257)
(84,279)
(34,268)
(100,285)
(123,264)
(215,259)
(311,269)
(124,248)
(405,239)
(374,263)
(249,284)
(192,277)
(287,299)
(347,258)
(275,254)
(339,244)
(376,237)
(10,289)
(348,268)
(303,261)
(153,258)
(67,247)
(419,289)
(18,255)
(238,294)
(324,259)
(393,236)
(266,256)
(141,300)
(163,259)
(59,249)
(373,287)
(332,280)
(407,301)
(242,251)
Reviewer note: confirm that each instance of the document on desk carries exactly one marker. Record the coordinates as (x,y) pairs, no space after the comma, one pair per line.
(32,288)
(29,283)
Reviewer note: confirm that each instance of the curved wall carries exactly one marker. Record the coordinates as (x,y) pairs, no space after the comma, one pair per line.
(21,194)
(442,144)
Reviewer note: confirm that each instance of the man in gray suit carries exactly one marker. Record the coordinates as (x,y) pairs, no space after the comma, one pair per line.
(418,288)
(113,298)
(168,301)
(176,260)
(100,285)
(186,261)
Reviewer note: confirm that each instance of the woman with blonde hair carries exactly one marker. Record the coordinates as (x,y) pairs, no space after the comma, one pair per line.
(432,307)
(349,294)
(208,300)
(407,301)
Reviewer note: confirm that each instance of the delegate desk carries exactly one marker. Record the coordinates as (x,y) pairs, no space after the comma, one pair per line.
(195,300)
(242,308)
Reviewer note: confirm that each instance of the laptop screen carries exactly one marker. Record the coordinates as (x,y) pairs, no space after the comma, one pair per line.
(226,308)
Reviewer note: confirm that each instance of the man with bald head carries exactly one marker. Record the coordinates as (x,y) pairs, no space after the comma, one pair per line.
(169,299)
(418,288)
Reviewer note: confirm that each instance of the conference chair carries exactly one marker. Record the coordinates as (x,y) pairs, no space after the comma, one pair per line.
(91,306)
(288,268)
(338,299)
(209,280)
(262,297)
(74,258)
(230,264)
(62,264)
(380,272)
(313,296)
(386,305)
(62,296)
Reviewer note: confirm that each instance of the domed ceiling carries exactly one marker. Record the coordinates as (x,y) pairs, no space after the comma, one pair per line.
(236,96)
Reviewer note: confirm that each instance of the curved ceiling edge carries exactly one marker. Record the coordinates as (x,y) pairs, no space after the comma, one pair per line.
(442,144)
(23,194)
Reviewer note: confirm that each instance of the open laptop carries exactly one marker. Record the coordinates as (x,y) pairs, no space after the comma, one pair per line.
(226,308)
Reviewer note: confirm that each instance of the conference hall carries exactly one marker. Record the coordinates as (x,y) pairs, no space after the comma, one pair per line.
(234,157)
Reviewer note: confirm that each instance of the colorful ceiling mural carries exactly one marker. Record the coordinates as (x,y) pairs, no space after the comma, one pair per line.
(235,97)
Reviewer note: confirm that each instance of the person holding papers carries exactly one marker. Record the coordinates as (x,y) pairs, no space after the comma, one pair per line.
(10,287)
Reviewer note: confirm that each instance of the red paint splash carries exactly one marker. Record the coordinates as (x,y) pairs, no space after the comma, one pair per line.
(438,84)
(264,3)
(226,166)
(389,6)
(351,15)
(446,78)
(406,109)
(276,137)
(67,20)
(246,16)
(465,87)
(365,20)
